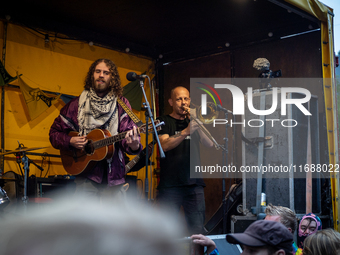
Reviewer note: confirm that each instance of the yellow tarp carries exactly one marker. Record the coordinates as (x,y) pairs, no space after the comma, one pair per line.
(58,66)
(313,7)
(36,100)
(325,15)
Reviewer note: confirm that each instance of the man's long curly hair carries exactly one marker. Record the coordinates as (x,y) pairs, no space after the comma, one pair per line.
(115,83)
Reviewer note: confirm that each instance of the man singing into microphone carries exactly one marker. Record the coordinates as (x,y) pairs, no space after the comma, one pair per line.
(176,188)
(97,108)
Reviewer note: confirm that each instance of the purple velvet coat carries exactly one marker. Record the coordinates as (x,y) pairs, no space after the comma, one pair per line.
(67,121)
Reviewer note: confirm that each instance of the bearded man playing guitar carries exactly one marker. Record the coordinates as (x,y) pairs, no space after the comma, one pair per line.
(96,108)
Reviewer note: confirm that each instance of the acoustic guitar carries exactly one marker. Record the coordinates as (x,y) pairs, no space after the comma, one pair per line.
(100,146)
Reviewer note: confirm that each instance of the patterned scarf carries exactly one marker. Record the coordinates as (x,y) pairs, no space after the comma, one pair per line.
(96,112)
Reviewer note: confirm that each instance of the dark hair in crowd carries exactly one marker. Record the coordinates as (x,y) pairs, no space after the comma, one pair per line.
(115,83)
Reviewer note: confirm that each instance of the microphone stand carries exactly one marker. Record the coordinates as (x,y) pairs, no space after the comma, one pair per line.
(37,166)
(21,156)
(225,163)
(148,114)
(26,163)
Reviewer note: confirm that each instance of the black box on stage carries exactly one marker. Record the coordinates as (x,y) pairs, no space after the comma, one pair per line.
(221,243)
(224,247)
(49,187)
(240,223)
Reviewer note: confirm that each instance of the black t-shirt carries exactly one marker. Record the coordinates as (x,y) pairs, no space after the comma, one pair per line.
(175,167)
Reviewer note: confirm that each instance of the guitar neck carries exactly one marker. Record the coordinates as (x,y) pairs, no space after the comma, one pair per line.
(132,163)
(110,140)
(121,136)
(136,159)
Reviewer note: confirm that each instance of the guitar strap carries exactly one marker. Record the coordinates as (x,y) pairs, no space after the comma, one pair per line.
(133,116)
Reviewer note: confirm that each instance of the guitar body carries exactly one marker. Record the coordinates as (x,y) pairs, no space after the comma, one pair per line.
(100,146)
(81,161)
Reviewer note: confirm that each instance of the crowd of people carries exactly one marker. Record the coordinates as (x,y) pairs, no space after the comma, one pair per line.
(85,227)
(274,235)
(94,224)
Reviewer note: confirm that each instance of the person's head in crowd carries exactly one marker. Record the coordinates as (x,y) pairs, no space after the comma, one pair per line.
(282,214)
(325,241)
(264,237)
(309,225)
(91,228)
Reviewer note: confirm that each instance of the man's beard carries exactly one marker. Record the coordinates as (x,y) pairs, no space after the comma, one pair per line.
(101,88)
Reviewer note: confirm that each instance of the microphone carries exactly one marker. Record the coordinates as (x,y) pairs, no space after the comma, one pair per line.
(132,76)
(220,108)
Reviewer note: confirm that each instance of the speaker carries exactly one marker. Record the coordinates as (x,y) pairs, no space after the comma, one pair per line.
(233,199)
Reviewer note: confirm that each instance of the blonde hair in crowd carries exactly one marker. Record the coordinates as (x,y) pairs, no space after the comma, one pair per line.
(325,241)
(287,216)
(88,228)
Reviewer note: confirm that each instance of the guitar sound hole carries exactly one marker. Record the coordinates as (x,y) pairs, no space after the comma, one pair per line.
(89,148)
